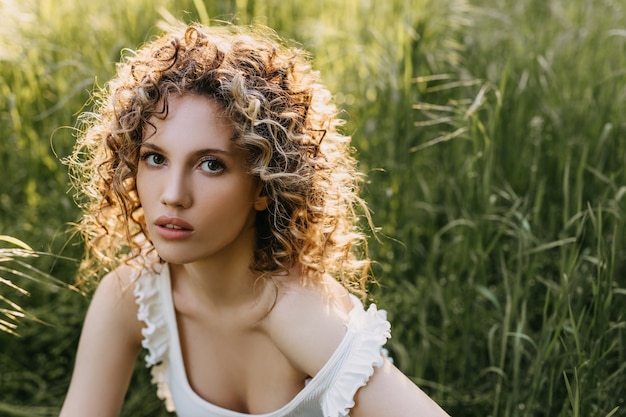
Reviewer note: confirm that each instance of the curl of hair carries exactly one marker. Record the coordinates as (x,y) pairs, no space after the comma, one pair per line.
(286,122)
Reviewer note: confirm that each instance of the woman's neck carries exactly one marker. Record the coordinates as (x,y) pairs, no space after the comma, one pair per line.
(222,286)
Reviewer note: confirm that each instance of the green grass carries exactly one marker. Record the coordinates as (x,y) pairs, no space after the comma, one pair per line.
(492,133)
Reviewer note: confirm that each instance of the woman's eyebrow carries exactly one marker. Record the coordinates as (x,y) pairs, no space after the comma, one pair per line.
(151,146)
(199,152)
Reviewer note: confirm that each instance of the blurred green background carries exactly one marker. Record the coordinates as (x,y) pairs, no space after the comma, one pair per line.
(492,133)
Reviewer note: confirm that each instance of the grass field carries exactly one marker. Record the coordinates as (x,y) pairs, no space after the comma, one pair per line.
(492,133)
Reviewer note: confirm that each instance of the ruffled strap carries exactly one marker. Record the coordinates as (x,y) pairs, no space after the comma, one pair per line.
(155,333)
(369,330)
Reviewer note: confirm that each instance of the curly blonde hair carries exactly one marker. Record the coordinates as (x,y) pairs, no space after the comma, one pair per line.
(286,122)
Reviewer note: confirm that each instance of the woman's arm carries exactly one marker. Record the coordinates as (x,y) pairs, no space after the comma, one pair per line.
(107,351)
(389,393)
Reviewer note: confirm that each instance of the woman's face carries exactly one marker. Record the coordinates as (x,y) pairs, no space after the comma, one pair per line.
(198,199)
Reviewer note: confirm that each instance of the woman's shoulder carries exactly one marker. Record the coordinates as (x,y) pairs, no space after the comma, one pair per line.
(115,297)
(308,322)
(118,284)
(121,282)
(307,303)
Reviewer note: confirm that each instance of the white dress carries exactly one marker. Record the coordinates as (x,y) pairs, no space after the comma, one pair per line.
(330,393)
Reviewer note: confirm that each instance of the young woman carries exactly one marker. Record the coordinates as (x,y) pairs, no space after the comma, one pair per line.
(221,193)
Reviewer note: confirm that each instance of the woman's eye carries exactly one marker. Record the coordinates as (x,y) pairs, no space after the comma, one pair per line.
(153,159)
(212,166)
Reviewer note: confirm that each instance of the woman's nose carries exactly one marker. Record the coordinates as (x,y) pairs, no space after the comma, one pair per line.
(176,191)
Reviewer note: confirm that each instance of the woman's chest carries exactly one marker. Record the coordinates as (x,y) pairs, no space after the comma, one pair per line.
(236,367)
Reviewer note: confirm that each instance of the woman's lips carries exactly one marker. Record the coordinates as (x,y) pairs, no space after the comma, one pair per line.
(173,228)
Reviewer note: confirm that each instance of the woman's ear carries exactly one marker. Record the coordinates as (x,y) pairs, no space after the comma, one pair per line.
(261,203)
(262,200)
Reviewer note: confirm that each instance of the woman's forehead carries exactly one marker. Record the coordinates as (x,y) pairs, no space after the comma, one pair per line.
(190,114)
